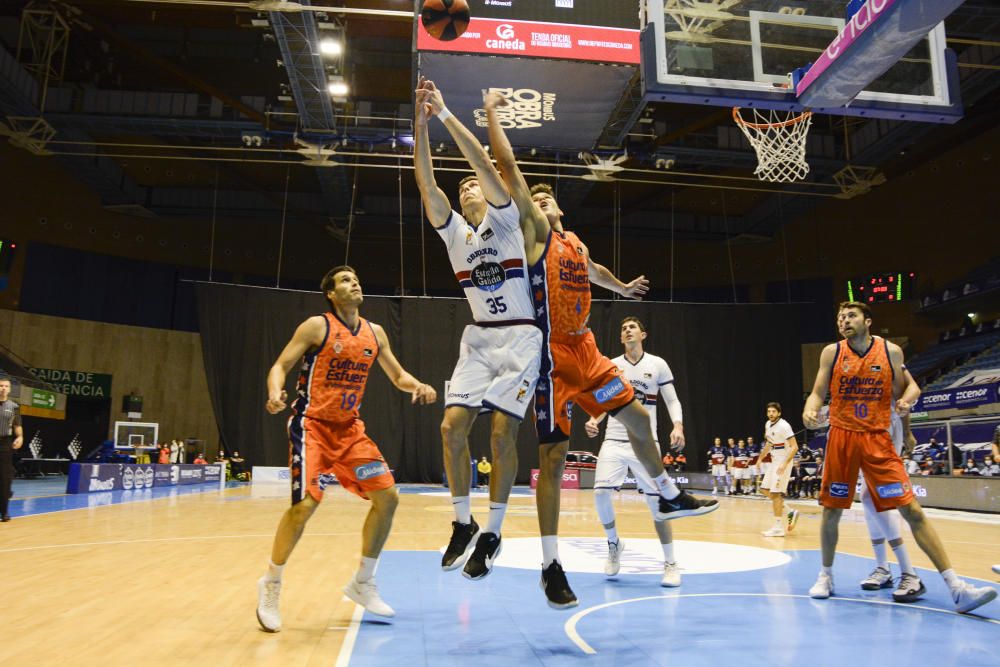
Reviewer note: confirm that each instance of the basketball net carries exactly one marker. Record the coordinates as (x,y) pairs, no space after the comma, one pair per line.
(779,139)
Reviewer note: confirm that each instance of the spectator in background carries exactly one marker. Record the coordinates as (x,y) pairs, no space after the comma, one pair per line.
(970,467)
(484,469)
(668,461)
(939,469)
(911,466)
(221,458)
(164,457)
(680,462)
(814,479)
(237,467)
(200,459)
(796,480)
(990,467)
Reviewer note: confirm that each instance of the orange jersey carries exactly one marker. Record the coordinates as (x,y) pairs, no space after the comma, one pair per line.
(333,377)
(560,289)
(861,387)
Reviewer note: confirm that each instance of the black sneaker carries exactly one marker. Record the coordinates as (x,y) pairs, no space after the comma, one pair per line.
(556,587)
(684,505)
(480,563)
(463,537)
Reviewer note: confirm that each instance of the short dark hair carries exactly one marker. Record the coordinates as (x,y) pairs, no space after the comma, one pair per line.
(326,284)
(775,405)
(465,180)
(865,310)
(543,187)
(633,318)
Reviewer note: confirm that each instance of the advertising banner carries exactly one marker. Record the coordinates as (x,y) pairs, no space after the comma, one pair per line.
(92,477)
(570,480)
(967,396)
(552,104)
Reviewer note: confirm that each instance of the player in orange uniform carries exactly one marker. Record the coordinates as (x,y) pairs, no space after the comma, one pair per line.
(573,370)
(337,350)
(862,374)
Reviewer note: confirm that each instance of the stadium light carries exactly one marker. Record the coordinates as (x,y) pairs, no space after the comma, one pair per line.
(330,47)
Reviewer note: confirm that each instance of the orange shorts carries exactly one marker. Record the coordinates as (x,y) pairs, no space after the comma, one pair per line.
(872,452)
(322,452)
(576,374)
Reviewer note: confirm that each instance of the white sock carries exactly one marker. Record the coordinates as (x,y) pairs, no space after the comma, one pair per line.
(274,571)
(666,486)
(903,558)
(367,569)
(951,579)
(881,556)
(463,509)
(779,522)
(827,570)
(668,552)
(497,510)
(550,549)
(612,534)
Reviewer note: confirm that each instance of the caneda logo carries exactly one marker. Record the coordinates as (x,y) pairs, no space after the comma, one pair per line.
(505,31)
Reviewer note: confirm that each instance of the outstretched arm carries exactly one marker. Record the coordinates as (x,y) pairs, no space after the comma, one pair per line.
(436,204)
(601,276)
(489,180)
(421,393)
(534,226)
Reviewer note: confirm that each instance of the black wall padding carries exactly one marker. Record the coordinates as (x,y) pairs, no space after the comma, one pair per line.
(729,360)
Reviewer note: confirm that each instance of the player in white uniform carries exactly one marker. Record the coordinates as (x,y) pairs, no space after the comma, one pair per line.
(650,377)
(780,443)
(885,526)
(500,354)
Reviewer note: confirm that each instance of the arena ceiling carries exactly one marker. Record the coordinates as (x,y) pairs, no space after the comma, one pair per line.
(182,108)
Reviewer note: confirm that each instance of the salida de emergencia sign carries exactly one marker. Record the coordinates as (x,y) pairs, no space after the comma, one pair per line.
(76,383)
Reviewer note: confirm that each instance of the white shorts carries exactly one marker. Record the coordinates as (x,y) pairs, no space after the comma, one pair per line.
(614,461)
(763,467)
(772,482)
(497,369)
(741,473)
(753,471)
(718,470)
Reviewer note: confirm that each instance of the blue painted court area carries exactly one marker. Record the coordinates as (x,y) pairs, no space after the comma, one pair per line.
(45,495)
(444,619)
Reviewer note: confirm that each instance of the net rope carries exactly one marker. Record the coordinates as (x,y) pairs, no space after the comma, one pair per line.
(779,139)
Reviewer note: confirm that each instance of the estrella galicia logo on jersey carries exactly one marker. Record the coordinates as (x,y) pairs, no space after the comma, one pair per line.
(369,470)
(488,276)
(368,352)
(326,479)
(876,368)
(840,490)
(609,391)
(486,235)
(894,490)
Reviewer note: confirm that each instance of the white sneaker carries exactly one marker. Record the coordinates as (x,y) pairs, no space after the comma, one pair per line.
(366,595)
(774,531)
(671,575)
(715,492)
(823,588)
(879,578)
(996,568)
(613,563)
(268,593)
(967,597)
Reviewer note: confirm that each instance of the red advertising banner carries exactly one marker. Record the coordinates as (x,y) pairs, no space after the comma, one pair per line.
(570,480)
(540,40)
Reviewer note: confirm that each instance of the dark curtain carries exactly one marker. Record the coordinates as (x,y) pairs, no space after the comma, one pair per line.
(729,361)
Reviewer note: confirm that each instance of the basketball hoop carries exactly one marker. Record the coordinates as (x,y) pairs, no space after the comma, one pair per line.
(779,139)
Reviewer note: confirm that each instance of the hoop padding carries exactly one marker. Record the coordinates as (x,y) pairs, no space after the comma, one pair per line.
(779,139)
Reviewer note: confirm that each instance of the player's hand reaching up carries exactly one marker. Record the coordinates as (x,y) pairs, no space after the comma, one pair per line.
(428,95)
(424,394)
(636,289)
(494,100)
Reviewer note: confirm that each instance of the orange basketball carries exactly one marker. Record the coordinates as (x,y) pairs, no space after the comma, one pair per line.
(445,19)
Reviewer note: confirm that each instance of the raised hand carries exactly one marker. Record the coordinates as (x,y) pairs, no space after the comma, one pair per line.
(636,289)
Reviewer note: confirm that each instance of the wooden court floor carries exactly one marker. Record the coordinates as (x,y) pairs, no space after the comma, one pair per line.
(172,581)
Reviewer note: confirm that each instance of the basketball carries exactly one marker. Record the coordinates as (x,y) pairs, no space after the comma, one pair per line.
(445,19)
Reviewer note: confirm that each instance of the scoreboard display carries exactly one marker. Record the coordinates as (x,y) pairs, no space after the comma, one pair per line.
(881,287)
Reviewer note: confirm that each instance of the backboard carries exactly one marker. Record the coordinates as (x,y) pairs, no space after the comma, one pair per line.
(738,53)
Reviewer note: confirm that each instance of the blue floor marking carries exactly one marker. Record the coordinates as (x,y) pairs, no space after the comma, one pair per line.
(768,619)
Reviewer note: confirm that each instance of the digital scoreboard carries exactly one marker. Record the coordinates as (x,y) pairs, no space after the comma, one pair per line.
(881,287)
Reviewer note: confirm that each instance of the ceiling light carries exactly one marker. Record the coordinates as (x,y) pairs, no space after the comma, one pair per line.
(330,47)
(338,89)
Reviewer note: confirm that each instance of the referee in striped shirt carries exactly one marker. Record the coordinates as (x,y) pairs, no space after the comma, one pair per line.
(11,438)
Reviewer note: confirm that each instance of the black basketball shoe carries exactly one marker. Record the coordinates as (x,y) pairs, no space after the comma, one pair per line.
(463,537)
(684,505)
(556,587)
(480,563)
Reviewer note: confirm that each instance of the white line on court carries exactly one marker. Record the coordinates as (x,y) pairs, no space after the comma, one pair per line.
(347,648)
(570,627)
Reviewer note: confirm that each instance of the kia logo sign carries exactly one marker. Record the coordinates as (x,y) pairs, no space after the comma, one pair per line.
(505,31)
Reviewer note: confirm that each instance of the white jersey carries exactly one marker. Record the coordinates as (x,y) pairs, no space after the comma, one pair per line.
(777,434)
(490,264)
(647,376)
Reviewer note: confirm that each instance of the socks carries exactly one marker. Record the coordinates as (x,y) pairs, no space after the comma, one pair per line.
(902,557)
(497,510)
(881,556)
(951,579)
(550,549)
(463,509)
(274,571)
(612,534)
(666,486)
(827,570)
(367,569)
(668,552)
